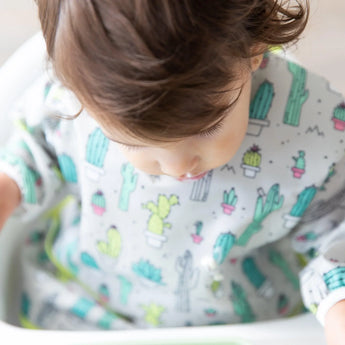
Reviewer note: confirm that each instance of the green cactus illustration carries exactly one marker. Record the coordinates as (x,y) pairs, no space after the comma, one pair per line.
(257,278)
(25,304)
(160,211)
(125,289)
(106,320)
(113,246)
(222,247)
(188,279)
(303,201)
(241,305)
(215,286)
(30,177)
(36,237)
(47,88)
(300,160)
(339,117)
(282,304)
(230,197)
(70,249)
(210,312)
(97,147)
(299,168)
(339,112)
(252,157)
(335,278)
(298,95)
(104,293)
(308,236)
(277,259)
(82,307)
(330,174)
(148,271)
(153,313)
(68,168)
(198,226)
(197,238)
(128,185)
(262,102)
(98,203)
(88,260)
(273,203)
(229,201)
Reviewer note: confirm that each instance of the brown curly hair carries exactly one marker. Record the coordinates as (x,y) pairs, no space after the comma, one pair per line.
(159,68)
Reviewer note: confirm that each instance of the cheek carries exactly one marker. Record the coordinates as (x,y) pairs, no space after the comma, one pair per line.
(230,141)
(141,160)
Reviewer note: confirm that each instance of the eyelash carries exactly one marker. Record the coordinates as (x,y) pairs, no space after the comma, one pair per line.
(211,131)
(205,134)
(131,147)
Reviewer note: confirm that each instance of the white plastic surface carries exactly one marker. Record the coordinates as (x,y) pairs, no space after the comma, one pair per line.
(15,76)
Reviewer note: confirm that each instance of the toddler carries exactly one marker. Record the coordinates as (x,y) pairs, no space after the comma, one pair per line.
(177,172)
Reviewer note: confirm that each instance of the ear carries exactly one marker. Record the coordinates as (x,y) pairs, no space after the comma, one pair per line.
(255,62)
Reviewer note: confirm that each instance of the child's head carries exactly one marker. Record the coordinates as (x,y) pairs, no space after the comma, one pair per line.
(170,78)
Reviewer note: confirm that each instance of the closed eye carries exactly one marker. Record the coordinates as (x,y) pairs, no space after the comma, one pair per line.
(131,147)
(209,132)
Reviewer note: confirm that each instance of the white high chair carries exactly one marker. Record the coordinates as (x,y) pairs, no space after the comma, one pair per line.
(16,75)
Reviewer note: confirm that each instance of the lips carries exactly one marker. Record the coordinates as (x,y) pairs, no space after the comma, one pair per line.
(188,177)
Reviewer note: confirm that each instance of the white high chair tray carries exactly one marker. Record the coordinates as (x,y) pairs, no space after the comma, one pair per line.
(15,76)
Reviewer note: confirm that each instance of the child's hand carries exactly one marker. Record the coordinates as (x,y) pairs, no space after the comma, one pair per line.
(335,324)
(10,197)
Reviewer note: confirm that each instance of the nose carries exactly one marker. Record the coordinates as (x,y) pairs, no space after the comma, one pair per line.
(178,164)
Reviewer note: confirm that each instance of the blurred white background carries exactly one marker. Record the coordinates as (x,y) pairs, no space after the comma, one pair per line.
(322,47)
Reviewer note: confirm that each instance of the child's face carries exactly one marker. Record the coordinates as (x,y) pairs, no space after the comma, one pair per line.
(192,157)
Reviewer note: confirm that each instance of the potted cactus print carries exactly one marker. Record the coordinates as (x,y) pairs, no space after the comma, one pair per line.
(156,225)
(210,312)
(98,203)
(299,168)
(259,108)
(96,150)
(229,201)
(282,304)
(197,238)
(251,162)
(339,117)
(303,201)
(112,246)
(103,293)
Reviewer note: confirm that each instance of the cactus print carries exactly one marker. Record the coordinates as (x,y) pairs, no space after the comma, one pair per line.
(274,201)
(112,246)
(128,185)
(98,203)
(223,249)
(68,168)
(298,95)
